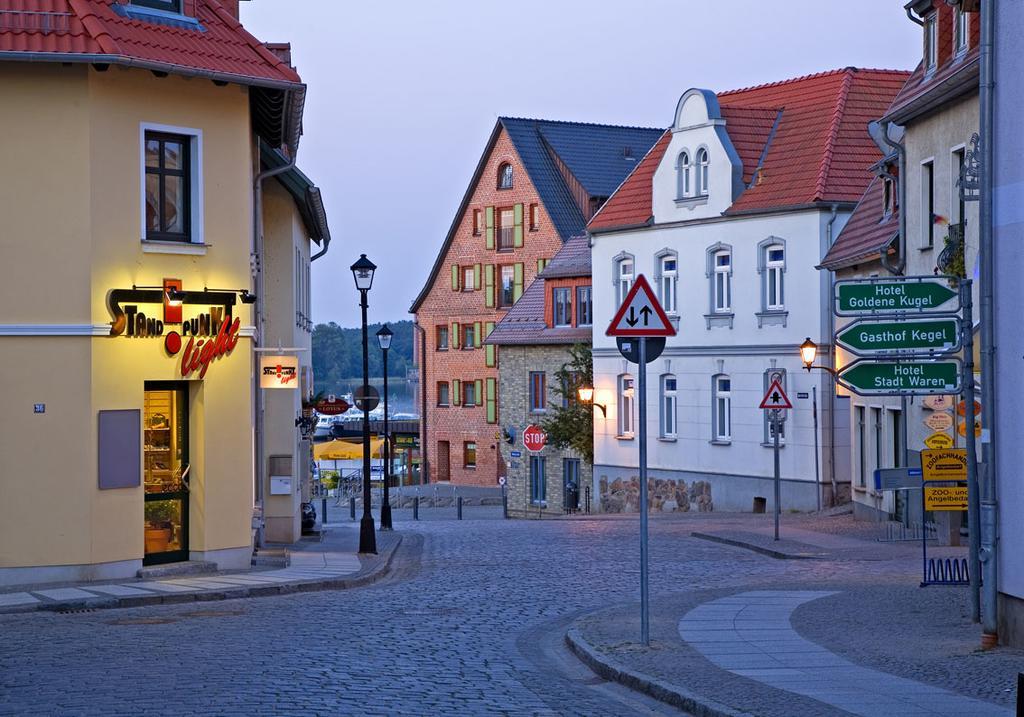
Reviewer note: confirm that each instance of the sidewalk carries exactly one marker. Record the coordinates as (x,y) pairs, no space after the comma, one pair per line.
(331,563)
(864,640)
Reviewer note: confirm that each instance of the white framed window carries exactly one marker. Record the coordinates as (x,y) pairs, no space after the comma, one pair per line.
(927,204)
(625,407)
(960,31)
(165,152)
(683,175)
(722,278)
(668,282)
(468,279)
(624,274)
(721,408)
(667,404)
(775,271)
(702,172)
(931,35)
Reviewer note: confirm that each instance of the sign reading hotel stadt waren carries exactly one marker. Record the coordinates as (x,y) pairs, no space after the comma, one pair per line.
(202,337)
(909,378)
(903,295)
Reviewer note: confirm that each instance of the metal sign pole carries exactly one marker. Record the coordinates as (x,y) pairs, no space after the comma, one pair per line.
(776,423)
(974,507)
(645,635)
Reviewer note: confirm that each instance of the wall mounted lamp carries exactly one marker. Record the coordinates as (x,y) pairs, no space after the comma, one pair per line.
(586,394)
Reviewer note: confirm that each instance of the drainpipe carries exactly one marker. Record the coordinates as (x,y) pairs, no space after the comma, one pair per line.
(832,362)
(881,132)
(424,465)
(257,270)
(988,369)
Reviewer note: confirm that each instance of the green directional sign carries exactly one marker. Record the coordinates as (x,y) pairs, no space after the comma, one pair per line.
(901,378)
(872,338)
(910,294)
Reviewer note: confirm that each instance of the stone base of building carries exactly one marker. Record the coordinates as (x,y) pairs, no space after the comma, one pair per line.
(286,529)
(226,558)
(617,490)
(1011,620)
(868,513)
(37,575)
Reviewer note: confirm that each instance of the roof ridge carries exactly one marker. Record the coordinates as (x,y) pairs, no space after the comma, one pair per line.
(833,135)
(814,75)
(95,26)
(503,118)
(254,42)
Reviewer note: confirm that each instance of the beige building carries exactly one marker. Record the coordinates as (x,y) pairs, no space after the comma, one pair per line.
(134,284)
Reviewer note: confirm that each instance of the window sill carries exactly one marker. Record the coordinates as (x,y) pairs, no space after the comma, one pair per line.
(772,317)
(444,405)
(154,246)
(925,247)
(441,351)
(624,436)
(720,442)
(691,202)
(509,250)
(668,439)
(722,320)
(469,468)
(860,489)
(782,444)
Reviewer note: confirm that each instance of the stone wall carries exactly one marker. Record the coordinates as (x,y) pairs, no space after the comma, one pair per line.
(622,495)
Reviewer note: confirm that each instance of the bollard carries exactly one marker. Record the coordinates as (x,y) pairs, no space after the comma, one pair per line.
(323,511)
(352,507)
(416,508)
(504,503)
(587,491)
(458,503)
(1020,694)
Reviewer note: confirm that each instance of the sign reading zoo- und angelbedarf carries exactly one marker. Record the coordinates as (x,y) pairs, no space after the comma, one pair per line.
(905,295)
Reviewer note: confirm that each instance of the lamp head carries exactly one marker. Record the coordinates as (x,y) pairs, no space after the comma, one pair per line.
(362,271)
(384,337)
(246,297)
(808,352)
(586,394)
(175,296)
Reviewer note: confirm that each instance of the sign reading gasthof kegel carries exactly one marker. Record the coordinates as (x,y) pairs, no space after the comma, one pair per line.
(907,378)
(872,338)
(909,294)
(944,464)
(939,497)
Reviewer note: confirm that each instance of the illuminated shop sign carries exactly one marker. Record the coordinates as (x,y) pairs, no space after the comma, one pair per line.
(206,335)
(279,372)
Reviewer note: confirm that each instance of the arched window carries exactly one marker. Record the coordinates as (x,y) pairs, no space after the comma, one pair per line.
(625,407)
(623,278)
(667,275)
(505,176)
(702,172)
(775,271)
(667,406)
(722,287)
(683,175)
(721,408)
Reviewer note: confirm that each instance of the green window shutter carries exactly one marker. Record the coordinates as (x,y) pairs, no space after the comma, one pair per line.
(489,285)
(455,277)
(489,224)
(478,338)
(488,328)
(489,355)
(541,265)
(478,391)
(518,215)
(492,404)
(456,397)
(456,337)
(517,282)
(476,277)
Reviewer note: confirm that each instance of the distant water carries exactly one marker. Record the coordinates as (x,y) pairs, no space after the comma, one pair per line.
(401,393)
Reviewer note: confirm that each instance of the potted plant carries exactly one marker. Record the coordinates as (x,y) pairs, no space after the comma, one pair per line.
(159,514)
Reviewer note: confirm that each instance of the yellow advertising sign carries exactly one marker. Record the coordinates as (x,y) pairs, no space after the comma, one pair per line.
(939,440)
(945,498)
(944,464)
(939,421)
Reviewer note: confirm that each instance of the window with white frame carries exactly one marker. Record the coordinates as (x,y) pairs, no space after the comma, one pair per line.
(959,31)
(667,403)
(625,405)
(722,278)
(774,270)
(683,175)
(172,185)
(623,278)
(668,278)
(931,34)
(721,408)
(702,172)
(928,204)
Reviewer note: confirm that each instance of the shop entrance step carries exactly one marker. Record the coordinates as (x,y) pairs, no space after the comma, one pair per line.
(271,558)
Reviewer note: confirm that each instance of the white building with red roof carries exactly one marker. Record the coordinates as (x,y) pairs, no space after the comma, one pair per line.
(728,216)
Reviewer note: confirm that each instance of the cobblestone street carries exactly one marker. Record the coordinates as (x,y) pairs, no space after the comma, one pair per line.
(471,621)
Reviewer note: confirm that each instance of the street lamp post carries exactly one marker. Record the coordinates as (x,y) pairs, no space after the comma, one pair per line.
(384,340)
(362,271)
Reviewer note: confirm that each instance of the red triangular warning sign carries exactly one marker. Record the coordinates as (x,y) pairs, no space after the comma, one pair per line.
(776,397)
(640,314)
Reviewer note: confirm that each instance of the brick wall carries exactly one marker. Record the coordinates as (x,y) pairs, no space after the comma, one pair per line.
(444,306)
(517,364)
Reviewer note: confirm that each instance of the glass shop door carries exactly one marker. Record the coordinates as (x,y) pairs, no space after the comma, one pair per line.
(165,471)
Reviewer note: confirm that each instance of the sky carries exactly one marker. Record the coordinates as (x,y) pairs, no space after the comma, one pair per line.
(403,96)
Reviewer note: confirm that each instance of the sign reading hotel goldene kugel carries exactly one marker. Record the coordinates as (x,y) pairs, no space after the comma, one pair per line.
(916,295)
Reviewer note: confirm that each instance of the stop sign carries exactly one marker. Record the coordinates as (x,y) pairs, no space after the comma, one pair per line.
(534,438)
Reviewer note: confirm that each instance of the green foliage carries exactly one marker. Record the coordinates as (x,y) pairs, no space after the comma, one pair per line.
(573,426)
(338,354)
(329,479)
(159,512)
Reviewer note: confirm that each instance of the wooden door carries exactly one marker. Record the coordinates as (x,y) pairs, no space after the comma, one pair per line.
(444,461)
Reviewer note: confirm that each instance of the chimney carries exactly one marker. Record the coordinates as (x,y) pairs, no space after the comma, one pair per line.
(231,6)
(283,51)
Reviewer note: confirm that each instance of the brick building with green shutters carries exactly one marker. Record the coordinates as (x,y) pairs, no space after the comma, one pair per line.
(536,185)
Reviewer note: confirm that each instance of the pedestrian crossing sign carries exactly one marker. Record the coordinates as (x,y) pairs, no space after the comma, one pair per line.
(775,398)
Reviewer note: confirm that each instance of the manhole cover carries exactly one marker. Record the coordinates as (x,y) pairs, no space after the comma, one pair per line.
(142,621)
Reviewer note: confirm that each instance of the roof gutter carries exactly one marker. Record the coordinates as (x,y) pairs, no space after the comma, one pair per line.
(316,206)
(168,67)
(878,131)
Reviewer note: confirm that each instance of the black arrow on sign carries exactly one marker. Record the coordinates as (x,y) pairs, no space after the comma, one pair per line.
(632,320)
(646,311)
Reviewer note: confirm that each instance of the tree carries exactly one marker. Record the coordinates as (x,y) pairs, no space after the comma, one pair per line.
(572,424)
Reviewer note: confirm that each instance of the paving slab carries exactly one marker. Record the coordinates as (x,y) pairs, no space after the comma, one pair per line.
(69,594)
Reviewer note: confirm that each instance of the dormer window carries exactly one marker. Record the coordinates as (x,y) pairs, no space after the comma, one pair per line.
(168,5)
(702,172)
(683,175)
(888,196)
(505,176)
(931,33)
(959,31)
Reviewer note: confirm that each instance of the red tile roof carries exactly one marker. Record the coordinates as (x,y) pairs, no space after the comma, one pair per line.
(867,231)
(96,31)
(819,150)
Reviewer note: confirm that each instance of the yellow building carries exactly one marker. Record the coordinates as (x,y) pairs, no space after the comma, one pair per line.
(134,283)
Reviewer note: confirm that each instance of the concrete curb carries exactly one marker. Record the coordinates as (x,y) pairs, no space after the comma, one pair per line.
(770,552)
(372,575)
(609,669)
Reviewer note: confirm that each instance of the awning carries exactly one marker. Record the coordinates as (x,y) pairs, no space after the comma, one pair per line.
(339,450)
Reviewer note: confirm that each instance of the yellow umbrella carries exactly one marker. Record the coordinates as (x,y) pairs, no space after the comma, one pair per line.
(340,450)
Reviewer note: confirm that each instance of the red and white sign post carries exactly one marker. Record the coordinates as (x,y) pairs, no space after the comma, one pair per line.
(534,439)
(642,317)
(776,400)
